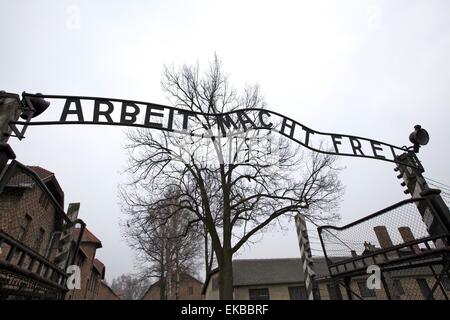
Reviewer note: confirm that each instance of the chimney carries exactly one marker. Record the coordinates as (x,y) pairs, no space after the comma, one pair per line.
(383,237)
(354,254)
(407,235)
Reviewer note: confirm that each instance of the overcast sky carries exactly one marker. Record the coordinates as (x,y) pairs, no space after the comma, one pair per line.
(367,68)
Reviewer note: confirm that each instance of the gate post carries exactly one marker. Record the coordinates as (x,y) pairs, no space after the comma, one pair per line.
(306,256)
(410,170)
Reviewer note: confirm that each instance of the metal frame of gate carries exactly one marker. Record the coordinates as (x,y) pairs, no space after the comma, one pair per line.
(349,254)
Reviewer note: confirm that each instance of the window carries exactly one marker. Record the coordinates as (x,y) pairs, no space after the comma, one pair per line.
(298,293)
(190,291)
(398,286)
(215,283)
(425,289)
(365,292)
(259,294)
(24,227)
(38,240)
(332,291)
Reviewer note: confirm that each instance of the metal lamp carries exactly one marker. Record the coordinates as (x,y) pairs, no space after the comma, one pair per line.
(419,137)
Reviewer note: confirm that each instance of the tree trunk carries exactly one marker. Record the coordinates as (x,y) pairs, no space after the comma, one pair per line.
(177,276)
(226,277)
(226,263)
(162,288)
(209,253)
(169,286)
(177,286)
(162,279)
(206,255)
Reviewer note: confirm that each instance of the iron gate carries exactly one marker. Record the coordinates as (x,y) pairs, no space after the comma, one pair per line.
(413,262)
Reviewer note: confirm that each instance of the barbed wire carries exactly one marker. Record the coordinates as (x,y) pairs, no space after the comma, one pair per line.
(440,184)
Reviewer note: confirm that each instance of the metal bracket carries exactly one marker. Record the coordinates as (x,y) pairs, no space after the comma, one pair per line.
(28,110)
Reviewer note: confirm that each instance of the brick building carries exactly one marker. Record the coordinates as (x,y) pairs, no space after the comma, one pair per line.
(106,293)
(92,270)
(32,221)
(189,288)
(38,239)
(28,214)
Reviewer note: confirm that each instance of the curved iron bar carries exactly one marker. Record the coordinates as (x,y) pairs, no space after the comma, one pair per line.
(196,113)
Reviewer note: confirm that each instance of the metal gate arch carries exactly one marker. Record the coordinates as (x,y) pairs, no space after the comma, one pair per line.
(409,168)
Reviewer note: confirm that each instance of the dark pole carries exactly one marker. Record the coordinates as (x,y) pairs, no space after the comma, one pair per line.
(77,245)
(334,282)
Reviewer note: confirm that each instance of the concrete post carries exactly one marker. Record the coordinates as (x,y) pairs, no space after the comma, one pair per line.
(305,255)
(417,186)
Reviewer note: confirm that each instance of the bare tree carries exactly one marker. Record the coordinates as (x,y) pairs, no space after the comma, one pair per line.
(130,287)
(232,196)
(159,231)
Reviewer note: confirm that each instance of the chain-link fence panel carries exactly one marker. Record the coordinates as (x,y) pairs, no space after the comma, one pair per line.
(405,243)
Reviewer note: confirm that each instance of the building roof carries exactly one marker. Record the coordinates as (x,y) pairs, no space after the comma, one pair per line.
(267,271)
(88,236)
(44,174)
(320,267)
(105,285)
(184,276)
(21,179)
(249,272)
(50,180)
(100,267)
